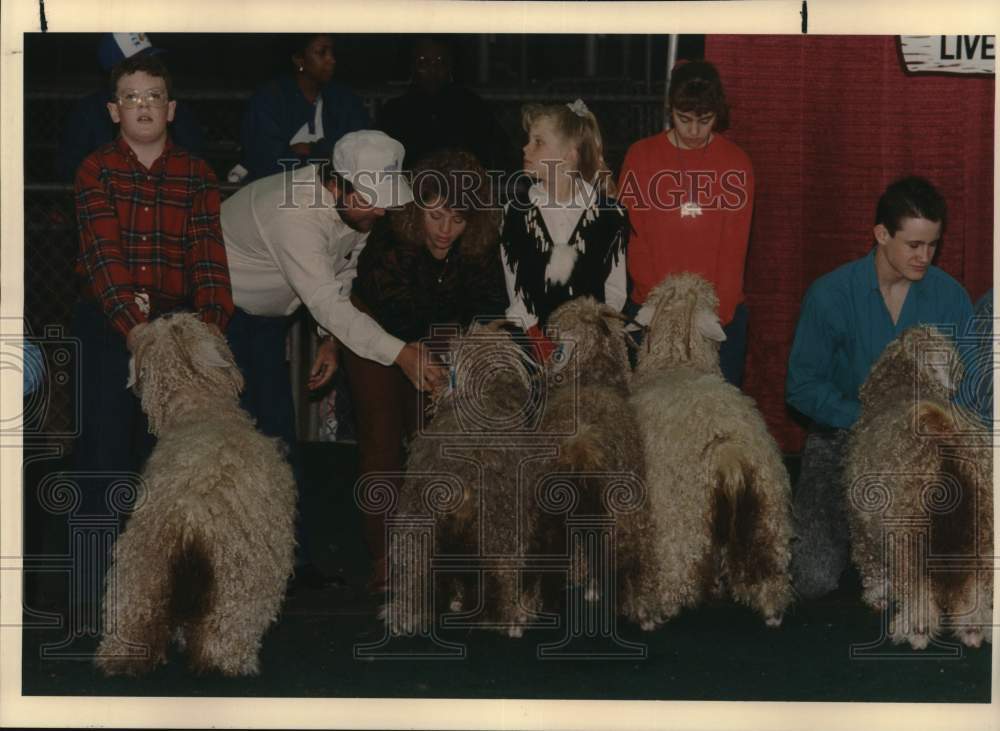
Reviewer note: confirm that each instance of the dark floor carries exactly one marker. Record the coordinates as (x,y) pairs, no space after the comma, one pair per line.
(715,653)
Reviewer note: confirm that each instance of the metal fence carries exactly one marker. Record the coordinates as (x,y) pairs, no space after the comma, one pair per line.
(50,238)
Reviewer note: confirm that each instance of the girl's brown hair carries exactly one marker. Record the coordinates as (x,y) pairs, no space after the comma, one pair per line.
(696,87)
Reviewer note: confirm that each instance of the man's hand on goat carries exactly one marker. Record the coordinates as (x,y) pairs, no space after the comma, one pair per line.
(424,374)
(324,364)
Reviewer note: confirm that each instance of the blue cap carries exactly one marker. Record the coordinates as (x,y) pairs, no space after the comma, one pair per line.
(116,47)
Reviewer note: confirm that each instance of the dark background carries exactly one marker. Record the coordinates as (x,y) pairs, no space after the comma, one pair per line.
(245,60)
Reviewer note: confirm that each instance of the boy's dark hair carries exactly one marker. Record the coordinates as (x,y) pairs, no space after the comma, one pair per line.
(147,62)
(697,87)
(910,197)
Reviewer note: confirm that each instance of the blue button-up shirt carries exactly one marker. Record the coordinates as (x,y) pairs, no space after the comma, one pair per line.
(844,326)
(976,390)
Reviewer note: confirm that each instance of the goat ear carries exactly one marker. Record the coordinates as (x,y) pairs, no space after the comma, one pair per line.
(213,352)
(707,324)
(207,352)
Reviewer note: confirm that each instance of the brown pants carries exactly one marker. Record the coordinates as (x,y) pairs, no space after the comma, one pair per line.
(386,406)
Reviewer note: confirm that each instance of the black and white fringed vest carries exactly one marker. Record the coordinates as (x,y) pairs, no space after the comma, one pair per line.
(599,238)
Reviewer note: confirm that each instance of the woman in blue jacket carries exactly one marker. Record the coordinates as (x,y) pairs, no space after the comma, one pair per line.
(299,116)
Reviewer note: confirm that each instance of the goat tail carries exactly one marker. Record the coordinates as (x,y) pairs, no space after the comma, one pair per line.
(586,455)
(585,451)
(736,504)
(950,496)
(191,579)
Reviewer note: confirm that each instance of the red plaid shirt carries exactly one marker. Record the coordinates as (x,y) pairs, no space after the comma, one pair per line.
(152,230)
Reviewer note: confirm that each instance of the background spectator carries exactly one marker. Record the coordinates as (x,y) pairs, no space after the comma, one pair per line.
(298,116)
(436,113)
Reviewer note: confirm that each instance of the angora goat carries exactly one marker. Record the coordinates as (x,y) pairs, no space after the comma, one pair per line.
(719,491)
(586,413)
(916,474)
(474,441)
(208,553)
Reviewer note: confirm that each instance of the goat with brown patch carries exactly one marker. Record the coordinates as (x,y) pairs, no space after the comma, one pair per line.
(719,491)
(206,556)
(919,472)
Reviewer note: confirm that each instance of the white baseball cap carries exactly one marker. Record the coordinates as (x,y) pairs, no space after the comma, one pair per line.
(372,162)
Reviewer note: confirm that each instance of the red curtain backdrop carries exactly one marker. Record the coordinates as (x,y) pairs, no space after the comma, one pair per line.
(828,123)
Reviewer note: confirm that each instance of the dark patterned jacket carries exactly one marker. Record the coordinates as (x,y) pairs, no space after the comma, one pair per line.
(407,290)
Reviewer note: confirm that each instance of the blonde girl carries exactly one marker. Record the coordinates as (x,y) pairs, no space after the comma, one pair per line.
(565,236)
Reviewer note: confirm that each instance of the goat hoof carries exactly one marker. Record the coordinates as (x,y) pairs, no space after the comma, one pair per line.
(773,620)
(971,638)
(456,605)
(647,625)
(874,599)
(515,632)
(919,642)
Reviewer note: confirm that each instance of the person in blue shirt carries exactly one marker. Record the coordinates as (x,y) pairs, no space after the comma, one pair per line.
(299,116)
(975,392)
(847,318)
(89,126)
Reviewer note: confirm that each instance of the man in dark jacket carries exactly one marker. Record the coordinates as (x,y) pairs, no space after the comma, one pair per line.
(436,113)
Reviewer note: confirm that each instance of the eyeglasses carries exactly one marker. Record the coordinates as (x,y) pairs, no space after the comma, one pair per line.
(431,61)
(150,97)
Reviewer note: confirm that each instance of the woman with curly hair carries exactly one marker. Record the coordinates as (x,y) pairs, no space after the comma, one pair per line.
(433,262)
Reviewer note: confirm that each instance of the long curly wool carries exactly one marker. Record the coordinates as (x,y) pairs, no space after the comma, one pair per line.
(208,552)
(914,455)
(719,491)
(587,416)
(675,341)
(473,441)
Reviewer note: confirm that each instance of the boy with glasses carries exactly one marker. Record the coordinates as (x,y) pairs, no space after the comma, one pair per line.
(88,126)
(150,243)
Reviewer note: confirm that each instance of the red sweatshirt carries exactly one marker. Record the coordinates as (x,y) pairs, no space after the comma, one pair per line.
(660,185)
